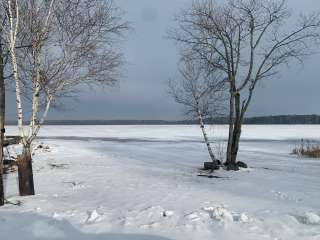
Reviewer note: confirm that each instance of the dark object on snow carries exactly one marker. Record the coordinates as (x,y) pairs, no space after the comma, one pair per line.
(42,146)
(208,176)
(9,162)
(231,166)
(235,166)
(219,163)
(215,165)
(11,140)
(17,203)
(9,166)
(58,166)
(242,165)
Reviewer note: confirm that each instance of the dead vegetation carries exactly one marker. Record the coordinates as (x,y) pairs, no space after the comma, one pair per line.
(307,148)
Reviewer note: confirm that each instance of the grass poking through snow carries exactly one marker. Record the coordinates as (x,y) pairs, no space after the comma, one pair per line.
(307,148)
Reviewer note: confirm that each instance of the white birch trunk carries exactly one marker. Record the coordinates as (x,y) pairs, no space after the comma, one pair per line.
(42,120)
(205,136)
(35,95)
(13,30)
(34,125)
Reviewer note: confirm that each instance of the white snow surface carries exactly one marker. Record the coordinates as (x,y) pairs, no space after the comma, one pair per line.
(140,182)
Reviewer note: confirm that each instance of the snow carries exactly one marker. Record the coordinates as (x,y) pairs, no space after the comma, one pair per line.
(140,182)
(312,218)
(94,217)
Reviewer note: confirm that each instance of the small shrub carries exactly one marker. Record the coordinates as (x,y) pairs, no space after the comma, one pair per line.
(307,148)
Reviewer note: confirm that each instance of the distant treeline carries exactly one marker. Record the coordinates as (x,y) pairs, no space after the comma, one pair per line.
(281,119)
(285,119)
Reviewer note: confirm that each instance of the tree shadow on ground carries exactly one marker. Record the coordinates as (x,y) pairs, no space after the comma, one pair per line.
(27,226)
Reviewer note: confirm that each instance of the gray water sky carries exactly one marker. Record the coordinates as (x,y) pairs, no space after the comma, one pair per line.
(152,60)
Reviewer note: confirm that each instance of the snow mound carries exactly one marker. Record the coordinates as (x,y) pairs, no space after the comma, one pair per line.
(167,213)
(311,218)
(57,216)
(222,214)
(94,217)
(215,214)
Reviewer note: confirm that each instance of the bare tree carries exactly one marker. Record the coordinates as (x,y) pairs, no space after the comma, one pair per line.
(200,93)
(247,41)
(62,45)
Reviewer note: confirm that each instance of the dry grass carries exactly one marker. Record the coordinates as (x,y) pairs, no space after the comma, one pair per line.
(220,150)
(307,148)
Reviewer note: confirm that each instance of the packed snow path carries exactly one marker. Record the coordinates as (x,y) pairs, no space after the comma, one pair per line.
(140,182)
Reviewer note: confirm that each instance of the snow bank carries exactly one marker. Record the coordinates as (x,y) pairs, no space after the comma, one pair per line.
(311,218)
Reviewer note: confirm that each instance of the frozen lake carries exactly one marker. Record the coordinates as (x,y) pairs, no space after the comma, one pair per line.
(120,181)
(169,132)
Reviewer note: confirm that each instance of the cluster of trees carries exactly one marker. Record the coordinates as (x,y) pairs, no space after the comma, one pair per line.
(48,48)
(229,48)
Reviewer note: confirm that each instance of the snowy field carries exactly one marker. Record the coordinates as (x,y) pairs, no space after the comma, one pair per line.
(140,182)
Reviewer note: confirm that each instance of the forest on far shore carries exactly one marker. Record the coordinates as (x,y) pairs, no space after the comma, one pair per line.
(277,119)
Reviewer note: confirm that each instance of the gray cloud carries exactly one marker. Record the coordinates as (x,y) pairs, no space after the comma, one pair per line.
(149,14)
(142,93)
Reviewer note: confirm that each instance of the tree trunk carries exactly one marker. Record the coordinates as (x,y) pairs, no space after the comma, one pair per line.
(1,185)
(25,173)
(1,168)
(231,127)
(13,31)
(236,130)
(205,136)
(36,91)
(234,134)
(235,142)
(2,119)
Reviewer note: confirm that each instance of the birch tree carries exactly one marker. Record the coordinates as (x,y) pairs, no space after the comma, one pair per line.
(200,93)
(247,41)
(62,45)
(5,76)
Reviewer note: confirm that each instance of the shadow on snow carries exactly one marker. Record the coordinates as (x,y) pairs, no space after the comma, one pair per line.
(27,226)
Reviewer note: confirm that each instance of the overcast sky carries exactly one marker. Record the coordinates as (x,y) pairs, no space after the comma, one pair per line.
(152,60)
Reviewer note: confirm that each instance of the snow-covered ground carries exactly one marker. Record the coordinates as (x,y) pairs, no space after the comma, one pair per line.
(140,182)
